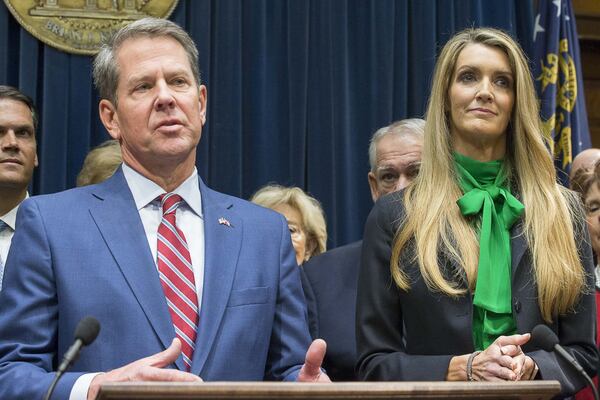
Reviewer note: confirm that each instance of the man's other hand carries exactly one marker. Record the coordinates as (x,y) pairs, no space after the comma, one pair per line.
(311,370)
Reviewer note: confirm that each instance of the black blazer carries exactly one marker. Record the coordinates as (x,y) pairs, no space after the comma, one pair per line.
(329,282)
(412,335)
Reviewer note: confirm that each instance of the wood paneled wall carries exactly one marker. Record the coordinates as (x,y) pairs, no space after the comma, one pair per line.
(587,13)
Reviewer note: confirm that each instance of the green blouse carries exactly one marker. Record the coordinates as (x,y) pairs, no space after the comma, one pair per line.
(487,197)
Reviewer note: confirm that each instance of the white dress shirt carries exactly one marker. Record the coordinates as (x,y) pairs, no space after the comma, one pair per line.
(6,235)
(188,218)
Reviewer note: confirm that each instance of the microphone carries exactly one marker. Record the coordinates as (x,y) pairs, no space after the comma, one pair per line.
(545,339)
(85,333)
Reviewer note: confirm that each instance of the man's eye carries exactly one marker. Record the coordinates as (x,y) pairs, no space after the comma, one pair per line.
(24,133)
(179,82)
(389,177)
(413,171)
(142,87)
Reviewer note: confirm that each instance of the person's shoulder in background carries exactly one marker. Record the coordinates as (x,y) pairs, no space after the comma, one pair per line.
(330,281)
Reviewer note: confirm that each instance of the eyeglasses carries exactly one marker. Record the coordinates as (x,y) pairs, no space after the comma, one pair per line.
(296,231)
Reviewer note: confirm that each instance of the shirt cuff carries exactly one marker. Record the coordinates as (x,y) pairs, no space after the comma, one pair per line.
(81,386)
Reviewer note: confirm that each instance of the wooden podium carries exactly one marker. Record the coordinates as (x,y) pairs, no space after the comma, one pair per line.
(529,390)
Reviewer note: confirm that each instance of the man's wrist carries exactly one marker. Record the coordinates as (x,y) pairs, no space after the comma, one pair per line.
(80,389)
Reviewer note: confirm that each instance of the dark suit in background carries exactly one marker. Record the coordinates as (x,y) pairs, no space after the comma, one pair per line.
(329,282)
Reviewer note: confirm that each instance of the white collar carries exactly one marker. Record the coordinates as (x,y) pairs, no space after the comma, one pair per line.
(10,218)
(145,191)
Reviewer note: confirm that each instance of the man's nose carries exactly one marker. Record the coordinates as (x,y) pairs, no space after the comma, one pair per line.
(8,140)
(164,96)
(403,181)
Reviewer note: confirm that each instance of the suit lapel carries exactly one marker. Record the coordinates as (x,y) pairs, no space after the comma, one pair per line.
(223,231)
(518,245)
(117,218)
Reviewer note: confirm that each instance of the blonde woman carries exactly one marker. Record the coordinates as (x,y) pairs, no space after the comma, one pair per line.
(458,268)
(100,163)
(304,215)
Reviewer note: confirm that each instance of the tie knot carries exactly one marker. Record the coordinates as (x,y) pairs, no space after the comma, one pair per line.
(169,202)
(3,226)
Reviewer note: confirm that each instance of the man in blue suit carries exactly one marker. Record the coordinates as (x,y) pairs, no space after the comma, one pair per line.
(99,250)
(330,279)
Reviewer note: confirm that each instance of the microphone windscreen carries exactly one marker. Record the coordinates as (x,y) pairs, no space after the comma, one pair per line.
(544,338)
(87,330)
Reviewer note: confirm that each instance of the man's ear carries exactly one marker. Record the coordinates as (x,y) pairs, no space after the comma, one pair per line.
(203,98)
(373,186)
(109,118)
(35,160)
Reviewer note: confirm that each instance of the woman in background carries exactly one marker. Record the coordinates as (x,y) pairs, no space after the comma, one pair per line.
(458,268)
(100,163)
(586,182)
(304,215)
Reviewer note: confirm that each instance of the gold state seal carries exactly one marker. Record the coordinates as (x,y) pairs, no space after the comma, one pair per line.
(80,26)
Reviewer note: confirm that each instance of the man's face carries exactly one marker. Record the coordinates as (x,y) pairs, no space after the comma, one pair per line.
(161,109)
(18,155)
(592,208)
(398,161)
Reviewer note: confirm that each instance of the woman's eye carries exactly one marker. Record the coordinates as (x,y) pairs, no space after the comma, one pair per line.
(503,82)
(467,77)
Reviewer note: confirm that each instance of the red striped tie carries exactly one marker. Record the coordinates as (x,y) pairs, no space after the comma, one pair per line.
(177,277)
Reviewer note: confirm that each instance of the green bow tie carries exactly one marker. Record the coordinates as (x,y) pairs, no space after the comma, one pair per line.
(485,195)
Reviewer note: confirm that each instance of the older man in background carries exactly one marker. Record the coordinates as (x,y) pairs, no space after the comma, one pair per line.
(18,158)
(584,160)
(330,279)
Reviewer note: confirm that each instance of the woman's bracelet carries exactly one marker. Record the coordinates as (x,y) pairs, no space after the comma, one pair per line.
(470,365)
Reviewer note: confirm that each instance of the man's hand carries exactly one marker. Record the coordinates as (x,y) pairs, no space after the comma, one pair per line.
(311,370)
(147,369)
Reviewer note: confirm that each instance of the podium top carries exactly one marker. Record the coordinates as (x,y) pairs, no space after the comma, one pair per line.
(529,390)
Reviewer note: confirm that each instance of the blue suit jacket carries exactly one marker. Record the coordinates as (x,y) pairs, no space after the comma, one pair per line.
(84,252)
(329,281)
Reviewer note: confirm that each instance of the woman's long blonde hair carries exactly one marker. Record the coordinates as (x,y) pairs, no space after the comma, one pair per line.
(433,222)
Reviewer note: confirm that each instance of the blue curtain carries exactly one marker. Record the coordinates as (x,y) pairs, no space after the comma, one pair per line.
(295,89)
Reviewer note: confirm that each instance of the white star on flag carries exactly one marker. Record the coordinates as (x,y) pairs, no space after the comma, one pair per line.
(558,7)
(537,27)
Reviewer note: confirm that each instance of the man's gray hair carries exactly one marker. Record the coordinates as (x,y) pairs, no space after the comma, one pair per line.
(411,126)
(106,68)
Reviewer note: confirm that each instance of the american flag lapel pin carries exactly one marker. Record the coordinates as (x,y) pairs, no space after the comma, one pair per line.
(224,221)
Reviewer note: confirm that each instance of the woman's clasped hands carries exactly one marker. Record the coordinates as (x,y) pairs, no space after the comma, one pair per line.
(504,360)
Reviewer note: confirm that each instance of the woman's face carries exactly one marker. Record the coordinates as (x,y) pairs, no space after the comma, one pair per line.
(294,220)
(481,98)
(592,209)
